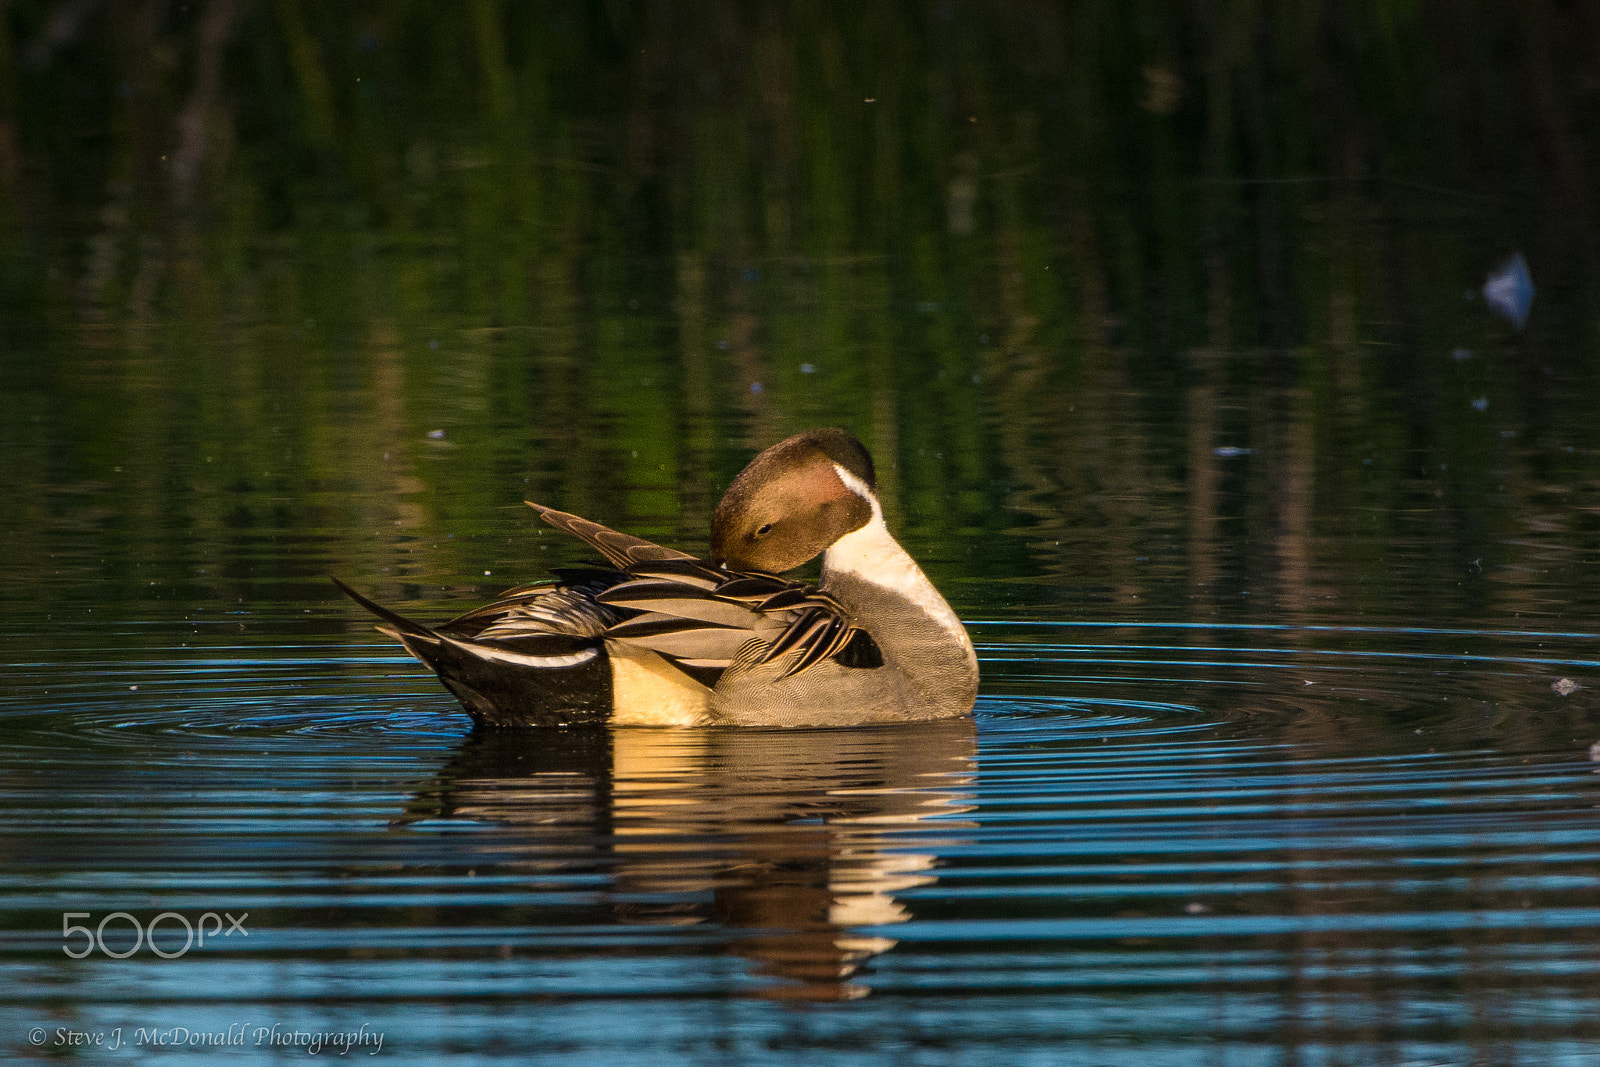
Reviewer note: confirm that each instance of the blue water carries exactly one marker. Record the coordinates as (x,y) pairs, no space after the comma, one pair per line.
(1169,844)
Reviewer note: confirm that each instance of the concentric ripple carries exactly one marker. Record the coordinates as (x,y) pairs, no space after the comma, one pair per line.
(1242,839)
(212,699)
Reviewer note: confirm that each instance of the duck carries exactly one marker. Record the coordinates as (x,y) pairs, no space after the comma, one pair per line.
(659,637)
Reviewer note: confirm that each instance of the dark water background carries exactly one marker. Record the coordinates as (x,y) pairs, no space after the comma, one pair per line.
(1164,321)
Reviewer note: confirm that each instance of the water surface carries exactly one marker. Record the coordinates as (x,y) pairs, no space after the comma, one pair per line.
(1150,840)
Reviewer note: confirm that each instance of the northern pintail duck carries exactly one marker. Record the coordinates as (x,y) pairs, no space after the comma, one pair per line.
(662,638)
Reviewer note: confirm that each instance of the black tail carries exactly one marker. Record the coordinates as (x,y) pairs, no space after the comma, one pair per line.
(492,685)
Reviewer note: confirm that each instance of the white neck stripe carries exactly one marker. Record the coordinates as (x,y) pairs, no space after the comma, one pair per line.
(871,554)
(860,489)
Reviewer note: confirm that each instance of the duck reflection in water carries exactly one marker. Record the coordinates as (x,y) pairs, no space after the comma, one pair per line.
(790,840)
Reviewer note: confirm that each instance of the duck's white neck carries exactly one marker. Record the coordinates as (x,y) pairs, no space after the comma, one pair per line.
(872,555)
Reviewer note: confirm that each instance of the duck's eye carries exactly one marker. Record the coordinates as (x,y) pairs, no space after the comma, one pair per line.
(764,529)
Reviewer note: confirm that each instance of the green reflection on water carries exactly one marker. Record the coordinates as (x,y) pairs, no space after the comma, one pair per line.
(1147,312)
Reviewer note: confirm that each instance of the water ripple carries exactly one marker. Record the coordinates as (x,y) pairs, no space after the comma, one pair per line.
(1176,815)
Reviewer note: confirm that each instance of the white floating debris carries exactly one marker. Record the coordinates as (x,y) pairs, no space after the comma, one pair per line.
(1232,451)
(436,435)
(1461,355)
(1565,686)
(1481,404)
(1509,291)
(1594,752)
(1194,907)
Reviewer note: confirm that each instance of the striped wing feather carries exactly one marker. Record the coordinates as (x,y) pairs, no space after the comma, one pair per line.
(701,615)
(679,638)
(559,608)
(684,601)
(711,627)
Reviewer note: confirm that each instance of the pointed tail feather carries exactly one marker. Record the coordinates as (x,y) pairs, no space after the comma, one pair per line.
(399,625)
(508,683)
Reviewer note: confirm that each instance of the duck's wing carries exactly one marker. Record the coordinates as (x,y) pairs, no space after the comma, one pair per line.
(551,622)
(622,550)
(704,617)
(565,606)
